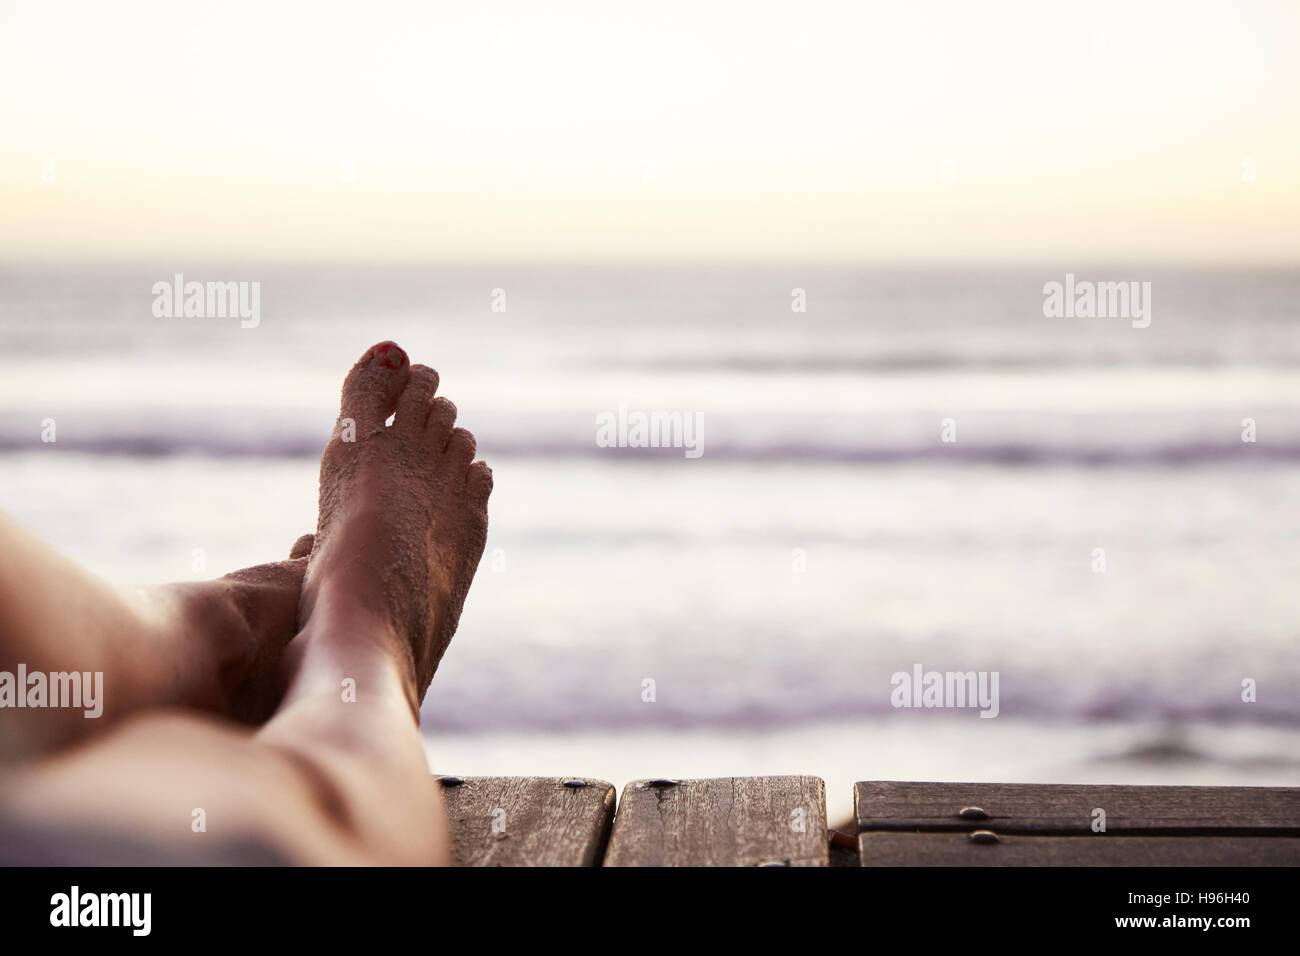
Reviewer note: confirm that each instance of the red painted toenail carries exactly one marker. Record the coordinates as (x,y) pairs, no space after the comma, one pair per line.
(387,360)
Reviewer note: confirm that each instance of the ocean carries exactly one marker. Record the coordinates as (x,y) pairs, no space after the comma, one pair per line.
(1097,532)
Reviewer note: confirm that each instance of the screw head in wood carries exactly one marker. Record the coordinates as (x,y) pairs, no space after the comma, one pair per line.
(662,782)
(983,836)
(773,863)
(575,782)
(973,813)
(450,781)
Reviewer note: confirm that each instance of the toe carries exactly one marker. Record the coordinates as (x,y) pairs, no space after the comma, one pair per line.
(460,448)
(442,418)
(302,547)
(371,389)
(478,481)
(413,405)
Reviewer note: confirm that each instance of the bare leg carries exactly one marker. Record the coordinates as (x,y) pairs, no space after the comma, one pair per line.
(338,774)
(204,645)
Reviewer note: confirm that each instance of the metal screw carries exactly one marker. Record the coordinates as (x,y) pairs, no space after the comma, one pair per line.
(773,863)
(983,836)
(575,782)
(661,782)
(450,781)
(972,813)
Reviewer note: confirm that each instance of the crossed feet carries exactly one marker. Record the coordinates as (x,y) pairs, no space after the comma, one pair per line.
(401,529)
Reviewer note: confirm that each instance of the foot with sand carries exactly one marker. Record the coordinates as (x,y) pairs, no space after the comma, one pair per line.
(337,774)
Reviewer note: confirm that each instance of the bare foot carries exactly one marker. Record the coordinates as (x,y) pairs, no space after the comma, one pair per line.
(234,631)
(266,597)
(403,519)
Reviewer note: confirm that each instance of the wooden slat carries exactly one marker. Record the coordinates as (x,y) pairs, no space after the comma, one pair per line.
(893,848)
(1068,808)
(726,821)
(527,821)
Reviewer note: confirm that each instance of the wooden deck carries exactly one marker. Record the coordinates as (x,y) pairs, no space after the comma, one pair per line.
(781,821)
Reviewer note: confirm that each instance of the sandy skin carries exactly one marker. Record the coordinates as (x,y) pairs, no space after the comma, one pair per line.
(338,646)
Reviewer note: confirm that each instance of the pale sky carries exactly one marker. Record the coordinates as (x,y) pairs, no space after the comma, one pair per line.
(926,131)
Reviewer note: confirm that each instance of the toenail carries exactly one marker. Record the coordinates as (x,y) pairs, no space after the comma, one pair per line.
(389,355)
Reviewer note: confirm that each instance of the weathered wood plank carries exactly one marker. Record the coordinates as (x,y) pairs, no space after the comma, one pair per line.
(894,848)
(1069,808)
(725,821)
(528,821)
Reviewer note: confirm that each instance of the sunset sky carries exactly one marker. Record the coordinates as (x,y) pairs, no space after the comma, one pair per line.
(833,131)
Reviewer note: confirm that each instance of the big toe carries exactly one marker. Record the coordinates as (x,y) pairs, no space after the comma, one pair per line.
(302,547)
(371,390)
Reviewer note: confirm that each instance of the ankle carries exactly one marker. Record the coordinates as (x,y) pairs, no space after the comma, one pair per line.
(219,640)
(344,649)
